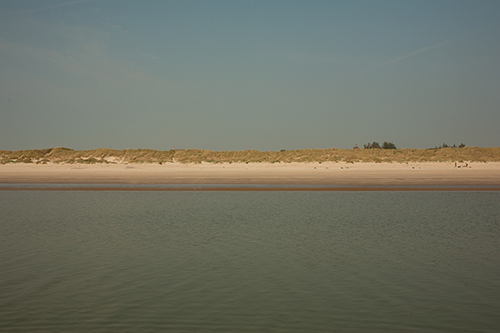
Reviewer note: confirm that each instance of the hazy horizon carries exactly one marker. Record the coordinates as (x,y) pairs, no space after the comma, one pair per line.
(227,75)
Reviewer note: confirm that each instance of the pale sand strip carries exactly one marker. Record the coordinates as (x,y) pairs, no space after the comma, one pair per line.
(327,173)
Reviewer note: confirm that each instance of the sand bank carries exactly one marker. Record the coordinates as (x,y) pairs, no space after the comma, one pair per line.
(368,175)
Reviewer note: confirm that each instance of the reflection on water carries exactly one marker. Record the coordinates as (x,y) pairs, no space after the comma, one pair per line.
(249,261)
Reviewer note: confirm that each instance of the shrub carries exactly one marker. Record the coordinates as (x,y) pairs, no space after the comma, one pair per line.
(372,145)
(388,145)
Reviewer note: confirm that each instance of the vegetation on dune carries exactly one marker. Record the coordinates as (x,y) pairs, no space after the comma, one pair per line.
(376,153)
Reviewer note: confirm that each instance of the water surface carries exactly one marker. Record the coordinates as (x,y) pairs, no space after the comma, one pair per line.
(249,261)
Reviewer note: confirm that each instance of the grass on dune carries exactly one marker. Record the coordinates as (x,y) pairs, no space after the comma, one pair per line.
(105,155)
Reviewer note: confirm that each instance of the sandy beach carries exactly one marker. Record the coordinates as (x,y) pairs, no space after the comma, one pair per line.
(327,173)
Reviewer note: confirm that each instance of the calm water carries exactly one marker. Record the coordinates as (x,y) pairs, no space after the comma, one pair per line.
(249,261)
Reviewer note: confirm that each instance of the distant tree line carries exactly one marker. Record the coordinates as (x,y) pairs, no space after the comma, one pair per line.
(376,145)
(444,145)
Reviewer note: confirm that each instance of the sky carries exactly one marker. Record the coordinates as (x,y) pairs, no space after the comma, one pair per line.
(237,75)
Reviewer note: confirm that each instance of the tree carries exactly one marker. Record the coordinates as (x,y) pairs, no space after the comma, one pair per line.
(388,145)
(372,145)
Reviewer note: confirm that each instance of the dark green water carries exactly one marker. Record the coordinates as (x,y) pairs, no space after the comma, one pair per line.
(249,261)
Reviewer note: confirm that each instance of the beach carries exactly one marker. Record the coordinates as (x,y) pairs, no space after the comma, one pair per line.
(340,175)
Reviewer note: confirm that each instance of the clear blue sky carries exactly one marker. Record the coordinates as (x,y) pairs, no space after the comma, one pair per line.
(235,75)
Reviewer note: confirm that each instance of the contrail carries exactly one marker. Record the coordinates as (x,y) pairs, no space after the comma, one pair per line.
(419,51)
(59,5)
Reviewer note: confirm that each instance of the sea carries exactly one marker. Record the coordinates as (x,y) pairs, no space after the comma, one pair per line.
(249,261)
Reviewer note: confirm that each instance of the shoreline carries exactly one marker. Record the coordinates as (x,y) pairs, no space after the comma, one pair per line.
(336,176)
(262,189)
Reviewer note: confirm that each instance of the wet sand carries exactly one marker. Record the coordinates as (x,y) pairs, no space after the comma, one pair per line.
(330,175)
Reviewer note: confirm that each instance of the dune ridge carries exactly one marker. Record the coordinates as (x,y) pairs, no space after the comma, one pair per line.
(139,156)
